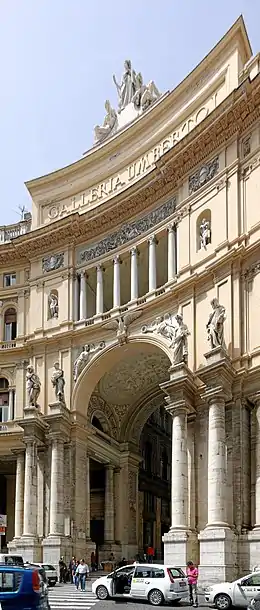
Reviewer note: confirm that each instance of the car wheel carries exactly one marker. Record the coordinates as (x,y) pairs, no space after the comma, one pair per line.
(222,601)
(155,597)
(102,592)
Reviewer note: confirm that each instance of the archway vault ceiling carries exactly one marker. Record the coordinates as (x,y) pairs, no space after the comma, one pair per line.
(135,375)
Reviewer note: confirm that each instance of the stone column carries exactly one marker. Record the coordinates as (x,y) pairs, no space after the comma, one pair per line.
(57,487)
(83,296)
(217,464)
(179,483)
(109,533)
(118,507)
(116,282)
(30,490)
(76,298)
(171,252)
(87,500)
(99,291)
(254,535)
(134,274)
(19,496)
(152,284)
(40,494)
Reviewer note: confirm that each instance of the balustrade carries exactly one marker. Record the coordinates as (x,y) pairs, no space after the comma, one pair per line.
(82,292)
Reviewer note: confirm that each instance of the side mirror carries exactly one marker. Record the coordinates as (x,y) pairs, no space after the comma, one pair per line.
(242,583)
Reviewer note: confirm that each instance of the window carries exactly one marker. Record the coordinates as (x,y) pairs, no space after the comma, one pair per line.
(9,581)
(4,400)
(96,423)
(253,581)
(9,279)
(158,573)
(148,457)
(176,572)
(164,465)
(10,324)
(143,572)
(149,502)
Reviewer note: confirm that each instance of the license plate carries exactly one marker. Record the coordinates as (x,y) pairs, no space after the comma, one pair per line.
(182,584)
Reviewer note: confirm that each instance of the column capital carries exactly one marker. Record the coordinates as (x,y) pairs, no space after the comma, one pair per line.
(100,267)
(217,376)
(152,240)
(117,260)
(171,227)
(134,251)
(180,389)
(255,399)
(83,273)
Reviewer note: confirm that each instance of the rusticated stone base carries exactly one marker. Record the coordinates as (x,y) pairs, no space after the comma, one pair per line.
(180,546)
(55,547)
(27,546)
(254,548)
(218,555)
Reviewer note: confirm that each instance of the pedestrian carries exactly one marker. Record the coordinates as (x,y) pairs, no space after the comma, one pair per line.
(71,566)
(150,553)
(192,575)
(74,572)
(63,570)
(82,571)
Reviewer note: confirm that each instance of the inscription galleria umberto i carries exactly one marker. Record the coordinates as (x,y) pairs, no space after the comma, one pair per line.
(130,343)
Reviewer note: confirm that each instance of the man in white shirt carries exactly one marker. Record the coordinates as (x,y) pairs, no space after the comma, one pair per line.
(82,572)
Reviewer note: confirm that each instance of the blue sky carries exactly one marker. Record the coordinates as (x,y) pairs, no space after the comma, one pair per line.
(57,61)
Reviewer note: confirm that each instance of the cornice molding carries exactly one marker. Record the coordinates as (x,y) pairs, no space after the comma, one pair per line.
(233,117)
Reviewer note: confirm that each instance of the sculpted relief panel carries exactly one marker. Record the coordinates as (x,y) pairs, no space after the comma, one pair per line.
(131,378)
(128,232)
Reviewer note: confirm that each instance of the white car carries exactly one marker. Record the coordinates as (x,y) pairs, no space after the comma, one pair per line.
(237,593)
(51,573)
(156,583)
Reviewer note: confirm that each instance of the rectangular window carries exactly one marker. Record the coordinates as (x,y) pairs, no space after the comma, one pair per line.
(9,279)
(9,582)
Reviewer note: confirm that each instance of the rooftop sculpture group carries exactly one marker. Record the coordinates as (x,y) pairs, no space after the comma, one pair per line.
(131,90)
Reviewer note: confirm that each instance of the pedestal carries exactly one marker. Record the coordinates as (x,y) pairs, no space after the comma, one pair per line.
(55,547)
(27,546)
(254,548)
(218,552)
(180,546)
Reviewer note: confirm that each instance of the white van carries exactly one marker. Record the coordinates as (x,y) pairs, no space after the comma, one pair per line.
(11,559)
(154,582)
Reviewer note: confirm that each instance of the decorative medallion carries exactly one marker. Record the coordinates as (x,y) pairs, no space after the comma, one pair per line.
(203,175)
(129,231)
(52,262)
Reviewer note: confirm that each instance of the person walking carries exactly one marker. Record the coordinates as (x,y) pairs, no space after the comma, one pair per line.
(192,575)
(82,572)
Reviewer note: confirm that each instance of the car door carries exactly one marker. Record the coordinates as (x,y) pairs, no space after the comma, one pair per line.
(141,580)
(246,589)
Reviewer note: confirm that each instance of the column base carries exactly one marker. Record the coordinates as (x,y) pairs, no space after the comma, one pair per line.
(180,546)
(254,548)
(55,547)
(218,555)
(27,546)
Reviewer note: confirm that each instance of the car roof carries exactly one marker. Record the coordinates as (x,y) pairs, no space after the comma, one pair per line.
(9,566)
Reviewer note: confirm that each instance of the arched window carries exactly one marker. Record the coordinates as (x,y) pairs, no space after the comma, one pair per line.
(10,324)
(97,423)
(204,230)
(5,415)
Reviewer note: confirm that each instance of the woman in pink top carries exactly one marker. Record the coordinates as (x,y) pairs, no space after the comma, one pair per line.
(192,575)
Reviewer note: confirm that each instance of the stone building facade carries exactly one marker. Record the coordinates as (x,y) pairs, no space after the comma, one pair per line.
(159,218)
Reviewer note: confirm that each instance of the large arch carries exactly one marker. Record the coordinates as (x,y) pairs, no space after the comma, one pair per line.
(107,359)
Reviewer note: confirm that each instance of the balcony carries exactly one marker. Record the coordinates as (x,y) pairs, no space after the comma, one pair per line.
(9,232)
(7,344)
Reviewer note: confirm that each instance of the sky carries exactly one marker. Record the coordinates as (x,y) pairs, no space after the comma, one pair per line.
(57,61)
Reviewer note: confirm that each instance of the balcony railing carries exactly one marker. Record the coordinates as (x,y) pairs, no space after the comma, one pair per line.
(7,344)
(9,232)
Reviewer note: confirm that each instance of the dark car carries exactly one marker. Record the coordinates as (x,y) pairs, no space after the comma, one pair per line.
(22,589)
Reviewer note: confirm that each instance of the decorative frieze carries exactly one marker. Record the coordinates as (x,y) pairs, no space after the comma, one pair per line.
(250,272)
(203,175)
(129,231)
(52,262)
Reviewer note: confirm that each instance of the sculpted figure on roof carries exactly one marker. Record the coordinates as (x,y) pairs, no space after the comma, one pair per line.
(109,124)
(127,88)
(145,95)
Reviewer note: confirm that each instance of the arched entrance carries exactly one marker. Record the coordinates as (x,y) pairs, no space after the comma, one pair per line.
(129,484)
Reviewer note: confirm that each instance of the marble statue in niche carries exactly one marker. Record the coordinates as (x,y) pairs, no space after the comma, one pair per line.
(53,302)
(58,382)
(53,262)
(84,356)
(127,88)
(33,386)
(172,328)
(205,233)
(215,325)
(109,124)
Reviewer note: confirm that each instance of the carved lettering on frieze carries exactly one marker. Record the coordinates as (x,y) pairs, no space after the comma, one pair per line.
(129,231)
(203,175)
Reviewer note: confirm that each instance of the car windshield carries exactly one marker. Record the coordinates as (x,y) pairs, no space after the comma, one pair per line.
(48,567)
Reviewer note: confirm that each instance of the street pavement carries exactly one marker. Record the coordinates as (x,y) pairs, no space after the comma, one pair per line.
(64,597)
